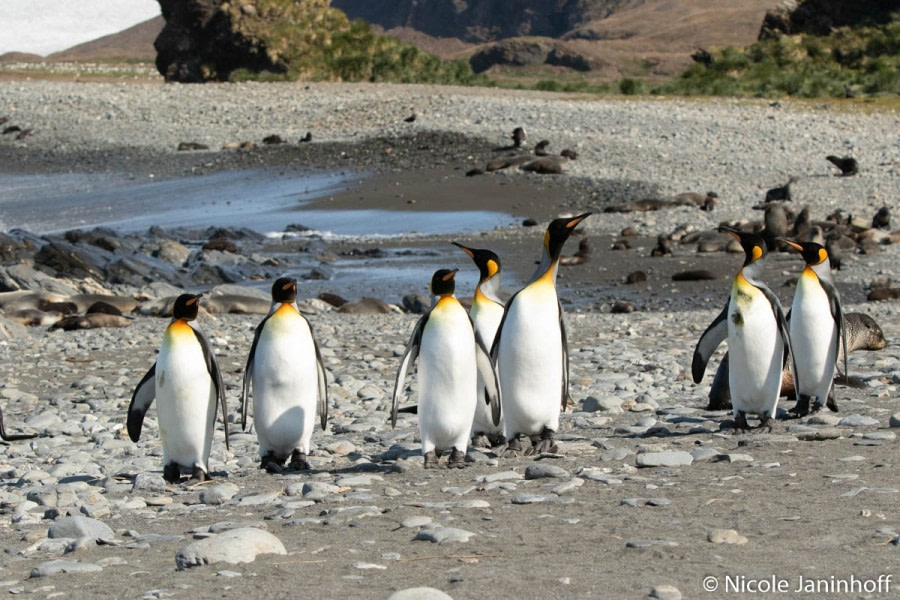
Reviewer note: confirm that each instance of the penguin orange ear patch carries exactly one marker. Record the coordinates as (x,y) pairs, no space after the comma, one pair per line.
(547,239)
(757,252)
(492,268)
(823,255)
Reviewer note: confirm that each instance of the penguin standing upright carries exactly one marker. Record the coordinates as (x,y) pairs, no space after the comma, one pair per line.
(450,353)
(288,379)
(817,330)
(186,382)
(758,340)
(531,351)
(486,313)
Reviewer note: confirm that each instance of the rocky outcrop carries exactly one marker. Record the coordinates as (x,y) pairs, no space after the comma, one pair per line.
(525,52)
(479,21)
(201,41)
(819,17)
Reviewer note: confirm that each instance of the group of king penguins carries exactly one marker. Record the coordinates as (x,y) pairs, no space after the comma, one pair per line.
(497,375)
(761,338)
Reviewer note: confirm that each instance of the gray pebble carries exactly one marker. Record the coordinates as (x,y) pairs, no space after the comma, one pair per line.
(665,592)
(438,534)
(54,567)
(671,458)
(80,527)
(419,593)
(218,494)
(544,470)
(234,546)
(857,421)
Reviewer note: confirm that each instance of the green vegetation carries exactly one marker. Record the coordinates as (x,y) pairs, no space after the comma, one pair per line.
(312,41)
(850,62)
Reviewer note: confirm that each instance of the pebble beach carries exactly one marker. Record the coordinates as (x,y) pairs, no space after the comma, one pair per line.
(648,497)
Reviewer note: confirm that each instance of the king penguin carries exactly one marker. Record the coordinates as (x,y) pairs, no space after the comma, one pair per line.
(817,330)
(758,340)
(186,382)
(288,380)
(531,351)
(450,353)
(486,314)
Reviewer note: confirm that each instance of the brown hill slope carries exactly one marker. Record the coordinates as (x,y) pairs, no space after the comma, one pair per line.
(618,38)
(132,44)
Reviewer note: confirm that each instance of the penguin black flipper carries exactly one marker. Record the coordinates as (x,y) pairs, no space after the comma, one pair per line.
(714,335)
(495,347)
(322,380)
(783,330)
(141,399)
(837,312)
(485,366)
(564,394)
(409,357)
(245,390)
(212,368)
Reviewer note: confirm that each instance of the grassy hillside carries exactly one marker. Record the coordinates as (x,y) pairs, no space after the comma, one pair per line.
(851,61)
(316,42)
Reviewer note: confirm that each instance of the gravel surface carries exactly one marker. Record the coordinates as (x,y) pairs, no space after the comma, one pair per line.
(647,498)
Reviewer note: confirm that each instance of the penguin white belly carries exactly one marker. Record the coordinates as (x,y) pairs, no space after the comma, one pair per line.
(814,338)
(285,384)
(186,399)
(530,362)
(486,317)
(447,380)
(756,350)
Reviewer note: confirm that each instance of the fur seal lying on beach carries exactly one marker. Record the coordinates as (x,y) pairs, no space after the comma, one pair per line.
(91,321)
(863,333)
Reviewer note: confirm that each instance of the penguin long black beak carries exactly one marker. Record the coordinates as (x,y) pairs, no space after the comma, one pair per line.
(733,232)
(577,220)
(450,275)
(790,243)
(465,249)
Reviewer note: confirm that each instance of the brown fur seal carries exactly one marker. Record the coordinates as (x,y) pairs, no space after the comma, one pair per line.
(84,301)
(543,165)
(33,317)
(846,164)
(581,255)
(863,333)
(518,137)
(782,192)
(15,436)
(91,321)
(237,305)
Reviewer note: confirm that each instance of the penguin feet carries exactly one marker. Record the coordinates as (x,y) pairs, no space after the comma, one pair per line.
(740,423)
(172,473)
(457,459)
(481,440)
(801,409)
(271,464)
(765,424)
(547,444)
(513,447)
(199,474)
(431,460)
(299,462)
(831,403)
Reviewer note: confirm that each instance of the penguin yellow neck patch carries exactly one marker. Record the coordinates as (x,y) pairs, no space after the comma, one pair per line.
(757,252)
(492,268)
(823,255)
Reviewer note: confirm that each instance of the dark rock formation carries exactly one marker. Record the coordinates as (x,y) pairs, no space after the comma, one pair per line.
(479,21)
(819,17)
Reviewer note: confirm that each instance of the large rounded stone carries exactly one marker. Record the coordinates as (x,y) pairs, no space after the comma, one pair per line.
(235,546)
